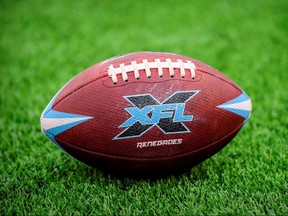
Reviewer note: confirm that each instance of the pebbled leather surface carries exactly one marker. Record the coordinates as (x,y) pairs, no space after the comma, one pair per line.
(92,93)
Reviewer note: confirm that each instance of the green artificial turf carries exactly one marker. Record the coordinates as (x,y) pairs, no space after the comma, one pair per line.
(45,43)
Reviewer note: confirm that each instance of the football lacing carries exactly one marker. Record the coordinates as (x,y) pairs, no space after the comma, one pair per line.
(147,66)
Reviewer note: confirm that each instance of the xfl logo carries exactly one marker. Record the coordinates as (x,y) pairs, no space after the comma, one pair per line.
(148,112)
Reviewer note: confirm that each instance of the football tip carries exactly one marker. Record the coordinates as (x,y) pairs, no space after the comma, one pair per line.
(240,105)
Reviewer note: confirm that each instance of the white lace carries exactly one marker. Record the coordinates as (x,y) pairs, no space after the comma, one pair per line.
(147,66)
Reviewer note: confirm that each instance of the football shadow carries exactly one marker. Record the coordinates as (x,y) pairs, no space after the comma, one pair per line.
(198,172)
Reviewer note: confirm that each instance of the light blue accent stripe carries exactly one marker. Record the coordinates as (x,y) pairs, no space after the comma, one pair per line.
(49,107)
(57,114)
(60,129)
(51,137)
(52,132)
(50,113)
(243,113)
(240,98)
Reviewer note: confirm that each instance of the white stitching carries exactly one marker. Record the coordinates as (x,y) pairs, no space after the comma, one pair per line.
(147,69)
(170,66)
(112,74)
(147,66)
(182,69)
(135,69)
(123,72)
(192,69)
(159,67)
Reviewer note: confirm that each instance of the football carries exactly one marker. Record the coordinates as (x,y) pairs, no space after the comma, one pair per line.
(146,112)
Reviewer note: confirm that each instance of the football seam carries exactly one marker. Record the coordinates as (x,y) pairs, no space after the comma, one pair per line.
(106,75)
(140,81)
(152,158)
(229,82)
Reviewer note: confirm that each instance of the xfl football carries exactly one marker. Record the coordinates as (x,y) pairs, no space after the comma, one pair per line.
(146,112)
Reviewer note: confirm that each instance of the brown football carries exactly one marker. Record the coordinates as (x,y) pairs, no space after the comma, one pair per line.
(146,112)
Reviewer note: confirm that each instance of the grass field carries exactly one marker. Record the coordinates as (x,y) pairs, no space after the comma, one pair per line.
(45,43)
